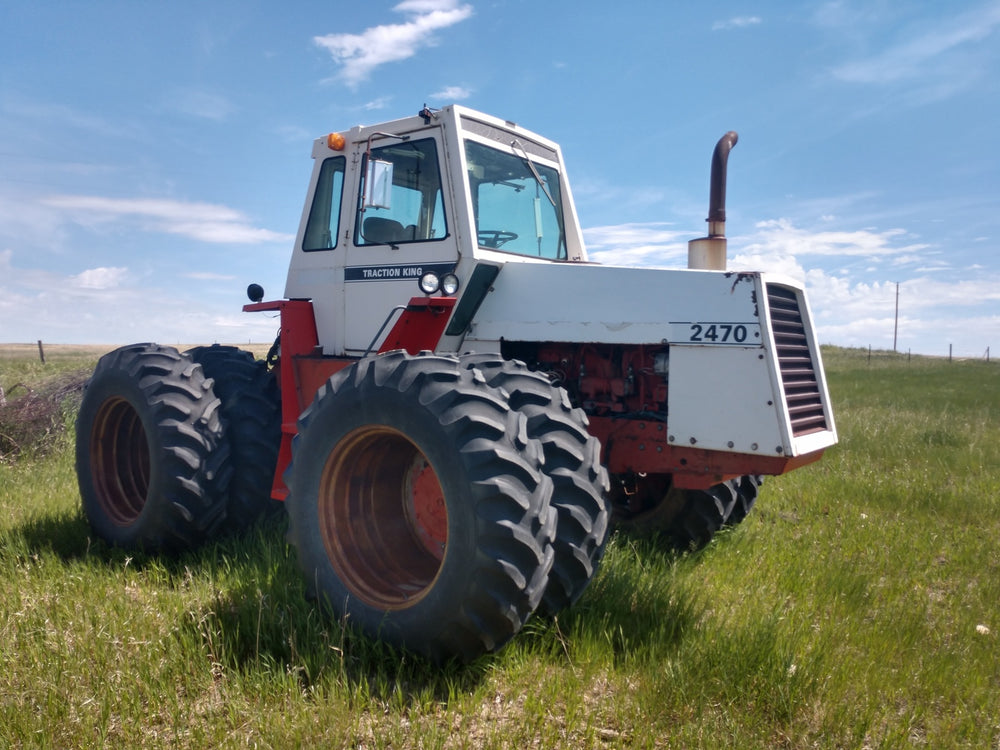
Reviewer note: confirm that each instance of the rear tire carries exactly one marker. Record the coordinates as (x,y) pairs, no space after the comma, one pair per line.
(746,489)
(251,406)
(418,508)
(151,456)
(686,519)
(572,460)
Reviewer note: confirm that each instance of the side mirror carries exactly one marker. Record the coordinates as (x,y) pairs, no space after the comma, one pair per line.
(378,185)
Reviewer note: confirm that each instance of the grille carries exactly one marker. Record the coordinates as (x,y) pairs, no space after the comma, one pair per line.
(798,372)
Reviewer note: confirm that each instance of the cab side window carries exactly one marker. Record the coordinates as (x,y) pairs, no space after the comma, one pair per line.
(324,216)
(417,206)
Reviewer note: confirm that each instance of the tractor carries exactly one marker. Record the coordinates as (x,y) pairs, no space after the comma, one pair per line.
(459,405)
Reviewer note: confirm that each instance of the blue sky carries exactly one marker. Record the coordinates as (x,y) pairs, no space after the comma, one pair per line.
(154,156)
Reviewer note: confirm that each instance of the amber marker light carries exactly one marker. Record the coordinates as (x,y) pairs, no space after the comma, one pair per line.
(335,142)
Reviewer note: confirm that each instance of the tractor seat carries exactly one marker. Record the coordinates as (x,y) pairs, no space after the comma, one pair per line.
(381,231)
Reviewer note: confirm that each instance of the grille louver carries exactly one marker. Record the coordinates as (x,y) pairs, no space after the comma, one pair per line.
(798,373)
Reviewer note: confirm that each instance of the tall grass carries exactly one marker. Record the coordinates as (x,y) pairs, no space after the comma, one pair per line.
(857,606)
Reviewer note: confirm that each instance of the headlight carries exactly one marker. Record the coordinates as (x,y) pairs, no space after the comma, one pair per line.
(429,283)
(449,284)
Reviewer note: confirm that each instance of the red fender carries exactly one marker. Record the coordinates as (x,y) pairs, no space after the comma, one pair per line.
(303,367)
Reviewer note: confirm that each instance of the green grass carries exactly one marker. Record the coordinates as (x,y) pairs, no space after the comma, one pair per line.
(842,613)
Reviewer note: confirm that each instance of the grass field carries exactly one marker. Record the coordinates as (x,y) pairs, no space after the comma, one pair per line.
(858,606)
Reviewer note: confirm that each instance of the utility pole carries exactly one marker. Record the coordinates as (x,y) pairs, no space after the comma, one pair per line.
(895,325)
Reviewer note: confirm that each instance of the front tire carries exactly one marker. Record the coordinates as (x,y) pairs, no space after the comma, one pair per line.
(151,456)
(573,462)
(418,508)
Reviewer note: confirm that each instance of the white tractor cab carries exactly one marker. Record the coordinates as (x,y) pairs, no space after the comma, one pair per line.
(459,404)
(445,192)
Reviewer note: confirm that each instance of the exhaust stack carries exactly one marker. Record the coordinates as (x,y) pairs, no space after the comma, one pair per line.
(709,253)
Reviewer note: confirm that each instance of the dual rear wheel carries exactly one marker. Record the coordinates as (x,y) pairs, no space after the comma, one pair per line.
(174,448)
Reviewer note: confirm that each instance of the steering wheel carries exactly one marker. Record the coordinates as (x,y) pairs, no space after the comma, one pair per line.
(495,237)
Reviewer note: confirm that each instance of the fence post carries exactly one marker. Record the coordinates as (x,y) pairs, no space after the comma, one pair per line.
(41,351)
(949,352)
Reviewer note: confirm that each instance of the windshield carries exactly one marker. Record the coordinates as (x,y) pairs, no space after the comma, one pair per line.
(517,203)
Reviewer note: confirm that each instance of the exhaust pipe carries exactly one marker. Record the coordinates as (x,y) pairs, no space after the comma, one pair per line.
(709,253)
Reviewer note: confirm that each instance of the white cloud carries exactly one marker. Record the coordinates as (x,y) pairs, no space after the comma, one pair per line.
(851,309)
(927,292)
(359,54)
(932,58)
(201,221)
(738,22)
(637,244)
(110,306)
(423,6)
(99,278)
(380,103)
(780,236)
(781,247)
(452,94)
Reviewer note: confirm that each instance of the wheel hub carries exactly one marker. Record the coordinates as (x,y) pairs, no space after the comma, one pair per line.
(119,461)
(383,517)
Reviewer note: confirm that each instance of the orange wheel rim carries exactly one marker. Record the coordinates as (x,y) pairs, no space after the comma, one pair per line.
(383,517)
(119,461)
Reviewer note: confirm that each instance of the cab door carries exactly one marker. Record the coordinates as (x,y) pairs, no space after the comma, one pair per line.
(400,231)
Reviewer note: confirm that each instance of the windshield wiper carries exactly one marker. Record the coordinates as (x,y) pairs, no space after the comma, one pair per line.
(538,178)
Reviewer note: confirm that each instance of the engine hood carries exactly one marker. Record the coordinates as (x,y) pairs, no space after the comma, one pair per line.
(588,303)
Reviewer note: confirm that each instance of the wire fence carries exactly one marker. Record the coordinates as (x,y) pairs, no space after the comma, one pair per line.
(908,354)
